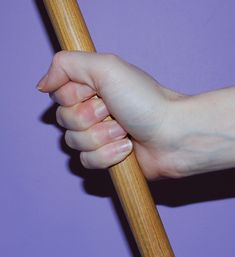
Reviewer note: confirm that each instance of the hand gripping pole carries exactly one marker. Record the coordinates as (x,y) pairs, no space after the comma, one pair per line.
(127,177)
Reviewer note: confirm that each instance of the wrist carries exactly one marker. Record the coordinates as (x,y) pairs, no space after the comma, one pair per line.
(204,133)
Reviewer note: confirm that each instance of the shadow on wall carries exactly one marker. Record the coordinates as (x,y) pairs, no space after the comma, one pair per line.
(194,189)
(47,25)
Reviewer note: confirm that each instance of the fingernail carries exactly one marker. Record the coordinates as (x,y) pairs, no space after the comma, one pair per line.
(53,98)
(58,117)
(101,110)
(42,82)
(116,131)
(83,160)
(125,146)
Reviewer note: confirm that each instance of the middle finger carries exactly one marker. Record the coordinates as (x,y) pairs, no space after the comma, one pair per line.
(82,116)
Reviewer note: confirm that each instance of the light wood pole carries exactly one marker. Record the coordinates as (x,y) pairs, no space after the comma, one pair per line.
(127,177)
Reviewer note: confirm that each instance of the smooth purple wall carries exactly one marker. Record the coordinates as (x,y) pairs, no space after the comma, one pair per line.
(51,207)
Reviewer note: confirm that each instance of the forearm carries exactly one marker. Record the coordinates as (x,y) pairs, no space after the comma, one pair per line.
(208,124)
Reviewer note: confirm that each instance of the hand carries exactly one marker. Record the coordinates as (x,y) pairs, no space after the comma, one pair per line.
(140,106)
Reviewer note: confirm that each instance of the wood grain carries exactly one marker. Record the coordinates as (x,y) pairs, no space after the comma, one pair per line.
(127,177)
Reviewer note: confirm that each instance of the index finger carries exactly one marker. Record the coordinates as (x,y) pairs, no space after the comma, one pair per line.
(74,66)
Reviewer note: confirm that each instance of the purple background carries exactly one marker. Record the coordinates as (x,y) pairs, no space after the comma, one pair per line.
(49,206)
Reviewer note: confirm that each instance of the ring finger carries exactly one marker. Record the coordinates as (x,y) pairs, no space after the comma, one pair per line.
(95,137)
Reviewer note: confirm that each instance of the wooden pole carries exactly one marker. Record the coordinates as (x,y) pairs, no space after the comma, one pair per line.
(127,177)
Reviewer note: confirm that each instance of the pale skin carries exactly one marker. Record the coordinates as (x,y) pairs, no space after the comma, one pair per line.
(173,135)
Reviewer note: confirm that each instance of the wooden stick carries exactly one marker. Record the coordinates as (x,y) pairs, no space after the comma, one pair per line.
(127,177)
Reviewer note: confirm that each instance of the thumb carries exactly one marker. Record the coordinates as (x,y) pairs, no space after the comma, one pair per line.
(80,67)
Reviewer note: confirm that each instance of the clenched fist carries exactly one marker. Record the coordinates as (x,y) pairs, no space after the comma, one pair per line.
(170,132)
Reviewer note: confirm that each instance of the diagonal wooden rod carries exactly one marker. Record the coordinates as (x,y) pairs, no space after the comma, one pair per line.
(127,177)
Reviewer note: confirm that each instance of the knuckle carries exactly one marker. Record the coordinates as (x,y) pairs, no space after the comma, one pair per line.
(68,139)
(111,69)
(93,160)
(59,116)
(111,58)
(58,57)
(83,160)
(78,122)
(62,96)
(94,137)
(103,161)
